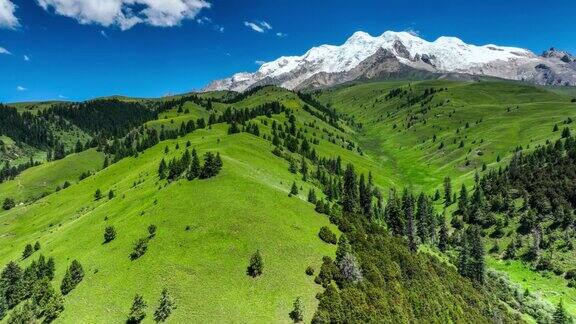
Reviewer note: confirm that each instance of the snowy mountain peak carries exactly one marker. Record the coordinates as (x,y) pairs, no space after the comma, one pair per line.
(327,65)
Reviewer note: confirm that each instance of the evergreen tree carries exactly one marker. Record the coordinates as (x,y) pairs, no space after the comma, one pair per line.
(194,170)
(408,207)
(8,204)
(28,250)
(343,247)
(304,169)
(109,234)
(36,246)
(11,283)
(447,191)
(111,194)
(165,307)
(256,266)
(393,215)
(350,190)
(560,315)
(463,201)
(477,262)
(297,313)
(443,236)
(98,194)
(422,216)
(365,193)
(312,196)
(74,275)
(162,169)
(294,189)
(137,311)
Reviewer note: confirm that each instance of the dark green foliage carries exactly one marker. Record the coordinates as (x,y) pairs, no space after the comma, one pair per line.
(447,191)
(256,265)
(137,311)
(11,282)
(297,313)
(109,234)
(561,316)
(28,250)
(36,246)
(111,194)
(139,248)
(294,189)
(152,230)
(23,314)
(312,196)
(310,271)
(74,275)
(194,170)
(565,132)
(98,194)
(349,190)
(471,262)
(8,204)
(393,215)
(326,235)
(165,307)
(212,165)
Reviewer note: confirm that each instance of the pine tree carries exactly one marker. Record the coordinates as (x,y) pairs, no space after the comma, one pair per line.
(74,275)
(162,169)
(422,216)
(343,247)
(463,201)
(165,307)
(297,313)
(111,194)
(365,193)
(477,254)
(350,190)
(443,236)
(292,166)
(304,169)
(98,194)
(194,170)
(408,207)
(294,189)
(109,234)
(28,250)
(12,284)
(393,215)
(138,310)
(312,196)
(560,316)
(256,266)
(447,191)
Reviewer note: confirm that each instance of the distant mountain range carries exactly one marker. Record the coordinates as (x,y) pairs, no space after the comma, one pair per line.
(401,55)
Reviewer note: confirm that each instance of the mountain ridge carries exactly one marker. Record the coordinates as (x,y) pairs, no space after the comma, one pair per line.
(404,53)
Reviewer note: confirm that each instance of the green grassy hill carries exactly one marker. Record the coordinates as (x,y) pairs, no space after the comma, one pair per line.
(208,229)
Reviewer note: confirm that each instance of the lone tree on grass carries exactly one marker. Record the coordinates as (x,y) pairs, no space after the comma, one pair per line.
(152,230)
(98,194)
(8,204)
(74,275)
(294,189)
(109,234)
(28,250)
(165,307)
(139,249)
(297,313)
(256,266)
(138,310)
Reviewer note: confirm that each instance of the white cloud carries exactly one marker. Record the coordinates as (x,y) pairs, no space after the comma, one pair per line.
(26,58)
(7,17)
(62,97)
(21,88)
(254,26)
(259,26)
(265,25)
(103,33)
(4,51)
(412,32)
(219,28)
(280,34)
(259,62)
(203,20)
(127,13)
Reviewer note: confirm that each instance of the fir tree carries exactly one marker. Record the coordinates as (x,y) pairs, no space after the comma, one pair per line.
(28,250)
(138,310)
(304,169)
(297,313)
(294,189)
(365,193)
(350,190)
(422,216)
(443,236)
(165,307)
(109,234)
(36,246)
(463,201)
(393,215)
(98,194)
(162,169)
(111,194)
(408,207)
(312,196)
(194,170)
(560,315)
(256,265)
(447,191)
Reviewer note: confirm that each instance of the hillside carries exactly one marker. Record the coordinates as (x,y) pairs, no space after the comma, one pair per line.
(395,134)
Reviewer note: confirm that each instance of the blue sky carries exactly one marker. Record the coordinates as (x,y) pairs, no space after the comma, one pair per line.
(80,49)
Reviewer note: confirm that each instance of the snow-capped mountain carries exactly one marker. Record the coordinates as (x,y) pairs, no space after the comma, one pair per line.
(401,55)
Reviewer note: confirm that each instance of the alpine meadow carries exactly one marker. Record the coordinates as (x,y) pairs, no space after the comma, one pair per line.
(389,179)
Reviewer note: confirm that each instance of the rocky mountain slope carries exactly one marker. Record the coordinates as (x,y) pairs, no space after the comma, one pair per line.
(404,55)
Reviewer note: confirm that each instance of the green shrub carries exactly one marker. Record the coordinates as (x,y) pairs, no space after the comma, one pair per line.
(327,236)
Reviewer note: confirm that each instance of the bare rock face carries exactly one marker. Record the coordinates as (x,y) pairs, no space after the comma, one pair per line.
(395,55)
